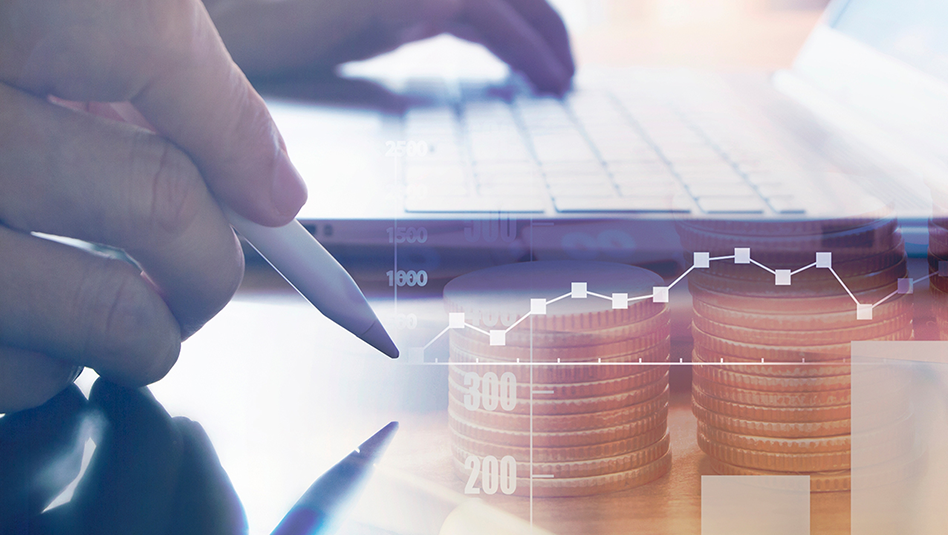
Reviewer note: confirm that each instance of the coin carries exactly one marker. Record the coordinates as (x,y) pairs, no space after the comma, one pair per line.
(790,304)
(561,454)
(819,481)
(754,366)
(497,297)
(772,337)
(785,353)
(773,399)
(587,467)
(774,444)
(585,438)
(727,376)
(769,414)
(896,306)
(560,406)
(771,429)
(777,462)
(573,390)
(584,486)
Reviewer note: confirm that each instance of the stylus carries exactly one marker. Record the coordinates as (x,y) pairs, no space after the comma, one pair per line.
(309,268)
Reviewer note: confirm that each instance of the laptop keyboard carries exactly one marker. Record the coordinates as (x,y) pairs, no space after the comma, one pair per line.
(592,152)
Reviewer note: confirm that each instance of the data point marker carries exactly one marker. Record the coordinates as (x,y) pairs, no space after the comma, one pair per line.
(620,301)
(660,294)
(498,338)
(742,255)
(863,312)
(783,277)
(538,307)
(455,320)
(702,260)
(824,260)
(906,286)
(578,290)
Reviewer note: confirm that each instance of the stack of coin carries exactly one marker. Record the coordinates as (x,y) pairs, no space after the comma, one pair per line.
(771,375)
(557,379)
(938,269)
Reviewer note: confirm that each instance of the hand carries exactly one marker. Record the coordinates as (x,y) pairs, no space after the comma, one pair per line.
(270,38)
(71,173)
(150,475)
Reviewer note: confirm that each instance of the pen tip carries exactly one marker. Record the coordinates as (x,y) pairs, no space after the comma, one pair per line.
(377,337)
(376,444)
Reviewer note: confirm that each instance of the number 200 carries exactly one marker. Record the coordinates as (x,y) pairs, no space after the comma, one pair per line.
(494,474)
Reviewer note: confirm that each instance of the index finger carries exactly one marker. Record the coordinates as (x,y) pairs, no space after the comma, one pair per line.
(167,58)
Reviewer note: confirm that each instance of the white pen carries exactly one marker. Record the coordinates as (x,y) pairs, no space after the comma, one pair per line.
(309,268)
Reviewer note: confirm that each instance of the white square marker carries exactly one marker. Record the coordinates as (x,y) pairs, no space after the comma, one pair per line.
(660,294)
(942,268)
(455,320)
(905,286)
(824,260)
(783,277)
(863,312)
(578,290)
(702,260)
(620,301)
(498,338)
(742,255)
(538,307)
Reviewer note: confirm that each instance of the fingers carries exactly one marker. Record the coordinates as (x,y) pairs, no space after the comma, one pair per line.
(72,174)
(168,60)
(514,40)
(550,26)
(76,307)
(40,453)
(29,379)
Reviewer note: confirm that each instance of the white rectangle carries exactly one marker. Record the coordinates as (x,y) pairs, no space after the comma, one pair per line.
(578,290)
(863,312)
(772,505)
(620,301)
(742,255)
(538,307)
(455,320)
(824,260)
(782,277)
(702,260)
(660,294)
(498,338)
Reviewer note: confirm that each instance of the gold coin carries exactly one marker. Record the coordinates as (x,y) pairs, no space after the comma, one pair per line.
(771,429)
(565,372)
(561,454)
(561,406)
(819,481)
(774,337)
(790,304)
(777,462)
(769,414)
(773,399)
(554,440)
(730,376)
(497,297)
(559,423)
(774,444)
(616,341)
(820,282)
(895,306)
(784,353)
(754,366)
(650,374)
(585,486)
(586,467)
(562,343)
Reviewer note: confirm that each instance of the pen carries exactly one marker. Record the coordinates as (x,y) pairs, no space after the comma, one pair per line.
(309,268)
(322,507)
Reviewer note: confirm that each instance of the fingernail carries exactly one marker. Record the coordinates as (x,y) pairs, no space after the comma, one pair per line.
(288,190)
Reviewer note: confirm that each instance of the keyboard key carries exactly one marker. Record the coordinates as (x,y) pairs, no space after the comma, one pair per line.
(600,189)
(620,204)
(732,205)
(513,190)
(645,189)
(721,190)
(787,204)
(557,170)
(566,146)
(427,174)
(434,204)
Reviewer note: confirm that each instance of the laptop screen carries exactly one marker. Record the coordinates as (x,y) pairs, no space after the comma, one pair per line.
(909,30)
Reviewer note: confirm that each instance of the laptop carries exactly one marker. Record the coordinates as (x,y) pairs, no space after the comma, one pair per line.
(479,171)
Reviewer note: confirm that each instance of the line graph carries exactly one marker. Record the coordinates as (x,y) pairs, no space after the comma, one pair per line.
(660,294)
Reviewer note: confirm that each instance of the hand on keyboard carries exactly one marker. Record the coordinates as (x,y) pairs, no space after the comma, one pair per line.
(278,38)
